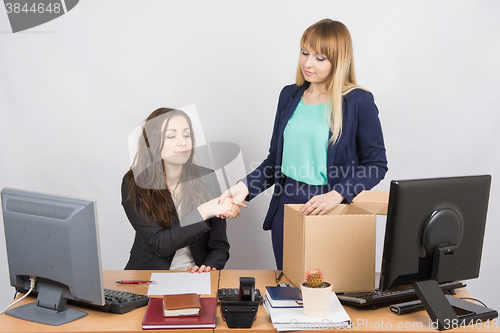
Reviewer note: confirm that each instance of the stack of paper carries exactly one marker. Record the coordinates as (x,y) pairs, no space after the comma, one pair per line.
(294,319)
(179,283)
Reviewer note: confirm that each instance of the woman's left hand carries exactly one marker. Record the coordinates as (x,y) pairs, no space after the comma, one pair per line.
(322,204)
(201,269)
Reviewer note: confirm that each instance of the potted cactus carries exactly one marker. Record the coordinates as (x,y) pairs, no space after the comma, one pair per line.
(316,294)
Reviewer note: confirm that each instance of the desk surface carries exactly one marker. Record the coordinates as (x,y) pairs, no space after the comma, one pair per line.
(364,320)
(98,321)
(380,320)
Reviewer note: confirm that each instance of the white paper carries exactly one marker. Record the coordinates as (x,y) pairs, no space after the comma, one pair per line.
(180,283)
(293,319)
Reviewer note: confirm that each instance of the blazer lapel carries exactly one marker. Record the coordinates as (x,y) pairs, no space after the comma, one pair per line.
(287,114)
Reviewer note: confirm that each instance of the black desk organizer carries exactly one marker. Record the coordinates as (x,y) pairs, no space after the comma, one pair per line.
(241,313)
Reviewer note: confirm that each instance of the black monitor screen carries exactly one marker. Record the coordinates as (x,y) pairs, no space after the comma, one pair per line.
(425,214)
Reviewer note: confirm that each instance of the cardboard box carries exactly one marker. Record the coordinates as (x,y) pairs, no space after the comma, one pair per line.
(340,243)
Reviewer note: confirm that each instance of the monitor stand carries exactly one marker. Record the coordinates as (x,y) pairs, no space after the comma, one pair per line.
(49,308)
(442,232)
(447,312)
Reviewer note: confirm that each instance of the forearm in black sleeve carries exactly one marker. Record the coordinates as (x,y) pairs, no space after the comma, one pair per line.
(162,241)
(217,244)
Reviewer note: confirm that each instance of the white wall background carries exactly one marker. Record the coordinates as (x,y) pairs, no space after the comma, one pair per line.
(73,89)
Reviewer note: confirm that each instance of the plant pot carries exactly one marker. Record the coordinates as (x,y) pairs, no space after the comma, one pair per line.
(316,301)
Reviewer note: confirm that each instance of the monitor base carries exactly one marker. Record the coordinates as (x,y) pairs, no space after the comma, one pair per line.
(34,313)
(447,312)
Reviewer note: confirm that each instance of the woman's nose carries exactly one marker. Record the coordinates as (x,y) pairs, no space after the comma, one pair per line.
(309,62)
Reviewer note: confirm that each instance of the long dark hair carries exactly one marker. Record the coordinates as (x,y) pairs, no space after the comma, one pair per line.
(147,176)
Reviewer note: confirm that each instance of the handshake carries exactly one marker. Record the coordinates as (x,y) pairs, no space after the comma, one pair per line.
(227,205)
(231,200)
(228,208)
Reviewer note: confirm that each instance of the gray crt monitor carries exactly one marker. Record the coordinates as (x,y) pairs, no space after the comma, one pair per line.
(55,239)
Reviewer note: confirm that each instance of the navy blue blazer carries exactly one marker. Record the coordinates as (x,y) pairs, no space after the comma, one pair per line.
(355,163)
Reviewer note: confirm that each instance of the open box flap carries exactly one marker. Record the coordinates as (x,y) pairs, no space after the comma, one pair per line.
(374,202)
(339,210)
(374,197)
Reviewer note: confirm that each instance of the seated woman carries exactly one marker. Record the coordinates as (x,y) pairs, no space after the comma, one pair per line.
(172,203)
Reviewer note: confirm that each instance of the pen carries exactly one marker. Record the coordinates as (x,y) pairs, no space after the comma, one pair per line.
(135,282)
(278,278)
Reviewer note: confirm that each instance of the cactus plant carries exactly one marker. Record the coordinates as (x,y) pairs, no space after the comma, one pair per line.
(316,294)
(314,278)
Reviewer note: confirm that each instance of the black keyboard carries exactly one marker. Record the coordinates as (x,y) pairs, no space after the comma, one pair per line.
(378,298)
(121,301)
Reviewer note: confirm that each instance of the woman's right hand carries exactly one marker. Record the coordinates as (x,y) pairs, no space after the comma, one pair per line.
(227,208)
(213,207)
(237,192)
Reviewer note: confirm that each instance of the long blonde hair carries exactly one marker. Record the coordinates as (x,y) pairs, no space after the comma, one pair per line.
(332,39)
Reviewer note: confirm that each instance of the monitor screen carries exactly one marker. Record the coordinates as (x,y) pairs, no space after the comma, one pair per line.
(54,239)
(426,213)
(434,234)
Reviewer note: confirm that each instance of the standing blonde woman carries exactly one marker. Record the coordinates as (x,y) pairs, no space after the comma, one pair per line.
(327,144)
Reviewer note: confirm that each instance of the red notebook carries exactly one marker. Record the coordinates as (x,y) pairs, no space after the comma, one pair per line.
(153,317)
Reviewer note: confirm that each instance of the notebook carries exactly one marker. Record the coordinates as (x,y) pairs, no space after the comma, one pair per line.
(181,305)
(284,297)
(154,319)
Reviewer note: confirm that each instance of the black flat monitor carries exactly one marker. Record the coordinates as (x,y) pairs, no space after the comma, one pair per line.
(54,239)
(434,233)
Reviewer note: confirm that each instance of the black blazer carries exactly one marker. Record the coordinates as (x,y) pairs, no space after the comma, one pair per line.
(154,247)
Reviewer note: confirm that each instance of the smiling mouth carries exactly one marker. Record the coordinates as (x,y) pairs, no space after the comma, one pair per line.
(308,73)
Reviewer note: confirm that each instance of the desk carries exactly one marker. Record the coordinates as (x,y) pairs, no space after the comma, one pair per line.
(98,321)
(365,320)
(380,320)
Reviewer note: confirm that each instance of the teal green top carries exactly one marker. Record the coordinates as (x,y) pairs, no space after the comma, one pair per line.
(305,145)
